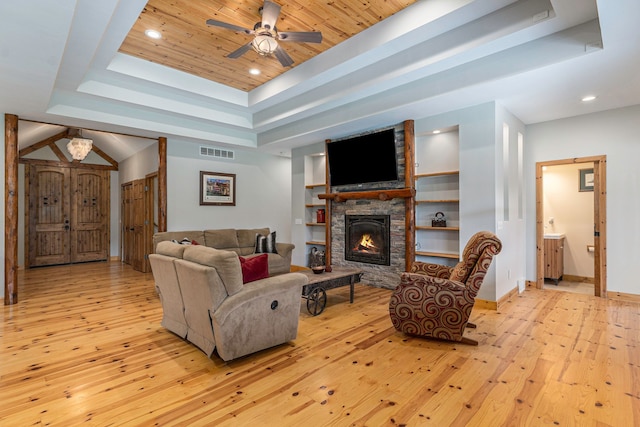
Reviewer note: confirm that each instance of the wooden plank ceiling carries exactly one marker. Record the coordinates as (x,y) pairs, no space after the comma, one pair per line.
(189,45)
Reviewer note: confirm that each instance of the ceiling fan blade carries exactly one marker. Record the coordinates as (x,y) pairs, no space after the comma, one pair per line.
(283,57)
(300,36)
(240,51)
(237,28)
(270,13)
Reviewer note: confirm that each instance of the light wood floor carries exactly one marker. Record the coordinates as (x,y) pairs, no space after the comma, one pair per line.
(84,346)
(567,286)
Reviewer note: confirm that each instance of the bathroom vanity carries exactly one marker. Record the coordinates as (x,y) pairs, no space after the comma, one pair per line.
(554,256)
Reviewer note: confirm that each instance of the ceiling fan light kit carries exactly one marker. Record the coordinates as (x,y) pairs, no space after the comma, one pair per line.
(266,36)
(264,44)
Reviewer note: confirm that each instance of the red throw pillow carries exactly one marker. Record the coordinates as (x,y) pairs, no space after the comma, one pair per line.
(254,268)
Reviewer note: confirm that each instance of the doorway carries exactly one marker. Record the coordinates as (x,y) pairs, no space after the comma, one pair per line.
(599,219)
(68,215)
(139,221)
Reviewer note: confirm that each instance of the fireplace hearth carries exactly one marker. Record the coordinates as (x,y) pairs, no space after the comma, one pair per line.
(367,239)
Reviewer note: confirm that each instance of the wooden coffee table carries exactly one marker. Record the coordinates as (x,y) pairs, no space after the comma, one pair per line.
(315,290)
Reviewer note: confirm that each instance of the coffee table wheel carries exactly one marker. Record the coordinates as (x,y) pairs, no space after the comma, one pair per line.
(316,301)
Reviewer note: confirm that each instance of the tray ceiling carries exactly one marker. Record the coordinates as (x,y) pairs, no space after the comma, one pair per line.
(189,45)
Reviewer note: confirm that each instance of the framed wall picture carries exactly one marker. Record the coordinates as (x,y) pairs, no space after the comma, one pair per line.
(586,179)
(217,189)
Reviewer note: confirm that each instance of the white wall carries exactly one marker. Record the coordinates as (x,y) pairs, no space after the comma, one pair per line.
(510,202)
(570,211)
(263,191)
(613,133)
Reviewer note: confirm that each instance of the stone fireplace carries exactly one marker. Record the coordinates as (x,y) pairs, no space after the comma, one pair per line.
(367,239)
(382,209)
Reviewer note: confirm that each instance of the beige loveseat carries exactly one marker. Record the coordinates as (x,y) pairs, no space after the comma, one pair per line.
(240,241)
(205,301)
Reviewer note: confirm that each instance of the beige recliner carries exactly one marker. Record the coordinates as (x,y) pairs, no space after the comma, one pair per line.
(223,314)
(168,288)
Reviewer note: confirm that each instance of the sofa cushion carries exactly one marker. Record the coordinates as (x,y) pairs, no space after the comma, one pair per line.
(169,248)
(226,264)
(221,239)
(247,239)
(254,268)
(266,244)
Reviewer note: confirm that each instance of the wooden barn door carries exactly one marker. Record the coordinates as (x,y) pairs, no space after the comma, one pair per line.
(49,215)
(68,215)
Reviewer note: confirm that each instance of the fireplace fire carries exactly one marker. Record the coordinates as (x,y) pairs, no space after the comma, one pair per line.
(366,244)
(367,239)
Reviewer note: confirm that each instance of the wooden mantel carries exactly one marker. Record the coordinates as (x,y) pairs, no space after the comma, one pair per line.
(373,194)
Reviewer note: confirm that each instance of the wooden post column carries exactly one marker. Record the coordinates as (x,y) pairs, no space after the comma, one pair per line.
(409,203)
(162,184)
(11,209)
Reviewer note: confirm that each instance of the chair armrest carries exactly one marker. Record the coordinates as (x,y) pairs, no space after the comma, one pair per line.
(430,269)
(432,285)
(285,249)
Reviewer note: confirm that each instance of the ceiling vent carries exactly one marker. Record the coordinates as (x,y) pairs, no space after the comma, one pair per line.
(216,152)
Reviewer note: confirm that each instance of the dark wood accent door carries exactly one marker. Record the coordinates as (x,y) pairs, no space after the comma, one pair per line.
(68,215)
(49,215)
(127,222)
(90,207)
(138,262)
(134,214)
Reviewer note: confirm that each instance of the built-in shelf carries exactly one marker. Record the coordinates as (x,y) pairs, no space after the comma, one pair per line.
(427,175)
(429,227)
(438,254)
(437,183)
(315,233)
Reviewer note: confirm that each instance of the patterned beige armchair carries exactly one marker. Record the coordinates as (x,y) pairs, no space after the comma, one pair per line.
(435,300)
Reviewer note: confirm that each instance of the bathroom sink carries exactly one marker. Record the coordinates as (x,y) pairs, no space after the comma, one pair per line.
(553,235)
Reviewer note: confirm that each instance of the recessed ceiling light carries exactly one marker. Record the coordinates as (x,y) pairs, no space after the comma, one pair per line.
(153,34)
(436,132)
(588,98)
(254,71)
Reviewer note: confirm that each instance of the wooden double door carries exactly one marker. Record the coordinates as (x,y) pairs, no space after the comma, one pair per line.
(68,211)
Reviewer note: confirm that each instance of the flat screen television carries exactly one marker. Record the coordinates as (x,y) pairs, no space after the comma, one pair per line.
(363,159)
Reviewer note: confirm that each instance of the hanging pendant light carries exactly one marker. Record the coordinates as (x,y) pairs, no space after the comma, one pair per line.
(79,147)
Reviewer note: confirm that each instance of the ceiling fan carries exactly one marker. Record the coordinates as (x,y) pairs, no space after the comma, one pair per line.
(266,36)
